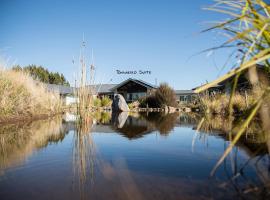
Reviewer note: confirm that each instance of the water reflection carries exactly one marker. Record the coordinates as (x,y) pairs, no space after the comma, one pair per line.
(83,154)
(122,157)
(19,141)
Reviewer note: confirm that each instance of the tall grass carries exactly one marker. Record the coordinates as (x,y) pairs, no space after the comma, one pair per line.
(20,95)
(84,93)
(248,30)
(219,104)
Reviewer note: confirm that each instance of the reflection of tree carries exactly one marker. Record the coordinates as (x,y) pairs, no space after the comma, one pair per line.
(220,125)
(102,117)
(19,141)
(164,123)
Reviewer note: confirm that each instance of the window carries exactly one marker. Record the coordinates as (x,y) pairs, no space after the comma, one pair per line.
(129,96)
(182,98)
(135,96)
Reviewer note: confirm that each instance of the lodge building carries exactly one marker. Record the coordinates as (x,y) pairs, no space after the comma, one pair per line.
(130,89)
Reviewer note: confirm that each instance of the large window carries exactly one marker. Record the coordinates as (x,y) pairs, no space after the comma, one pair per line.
(186,98)
(135,96)
(182,98)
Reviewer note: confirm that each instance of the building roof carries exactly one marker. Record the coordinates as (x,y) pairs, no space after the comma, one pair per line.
(61,89)
(102,88)
(141,82)
(228,77)
(179,92)
(106,88)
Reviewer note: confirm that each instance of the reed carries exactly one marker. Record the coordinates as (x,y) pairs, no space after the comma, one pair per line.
(83,154)
(84,93)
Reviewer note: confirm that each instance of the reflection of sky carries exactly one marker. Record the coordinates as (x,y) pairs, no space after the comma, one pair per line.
(165,155)
(161,162)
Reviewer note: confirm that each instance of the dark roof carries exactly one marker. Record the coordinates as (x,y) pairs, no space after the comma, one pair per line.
(105,88)
(216,86)
(148,85)
(179,92)
(61,89)
(228,77)
(102,88)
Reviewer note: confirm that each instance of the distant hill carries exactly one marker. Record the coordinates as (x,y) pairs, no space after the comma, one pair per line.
(42,74)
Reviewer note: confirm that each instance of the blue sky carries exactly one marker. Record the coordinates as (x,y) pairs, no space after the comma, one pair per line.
(154,35)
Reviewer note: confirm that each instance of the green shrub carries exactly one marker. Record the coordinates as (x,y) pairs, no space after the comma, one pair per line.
(97,102)
(106,101)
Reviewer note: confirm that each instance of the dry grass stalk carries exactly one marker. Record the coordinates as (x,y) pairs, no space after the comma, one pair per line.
(20,95)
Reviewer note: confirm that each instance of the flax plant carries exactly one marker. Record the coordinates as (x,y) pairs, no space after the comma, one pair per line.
(248,31)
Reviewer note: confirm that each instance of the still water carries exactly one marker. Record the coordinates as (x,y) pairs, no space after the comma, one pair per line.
(130,157)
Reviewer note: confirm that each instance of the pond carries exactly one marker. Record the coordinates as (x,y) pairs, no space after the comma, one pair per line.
(147,156)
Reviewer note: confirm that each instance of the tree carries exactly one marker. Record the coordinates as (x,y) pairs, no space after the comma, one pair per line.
(42,74)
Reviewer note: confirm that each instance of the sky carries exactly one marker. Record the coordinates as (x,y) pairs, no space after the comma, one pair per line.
(161,36)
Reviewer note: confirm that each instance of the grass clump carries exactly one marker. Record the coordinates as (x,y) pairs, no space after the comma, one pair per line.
(219,104)
(97,102)
(106,101)
(163,96)
(102,102)
(20,95)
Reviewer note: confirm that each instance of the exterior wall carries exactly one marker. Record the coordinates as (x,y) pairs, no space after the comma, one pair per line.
(186,98)
(132,91)
(68,100)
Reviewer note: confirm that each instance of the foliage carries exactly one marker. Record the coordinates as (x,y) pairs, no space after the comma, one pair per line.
(97,102)
(163,96)
(102,117)
(102,102)
(149,101)
(164,123)
(43,75)
(219,104)
(130,106)
(106,101)
(249,33)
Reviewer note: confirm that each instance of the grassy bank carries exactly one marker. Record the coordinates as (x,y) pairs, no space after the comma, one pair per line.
(219,104)
(21,96)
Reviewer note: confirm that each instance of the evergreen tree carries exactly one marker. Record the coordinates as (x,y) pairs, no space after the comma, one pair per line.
(42,74)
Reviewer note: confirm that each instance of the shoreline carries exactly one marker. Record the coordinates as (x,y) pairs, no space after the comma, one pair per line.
(21,118)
